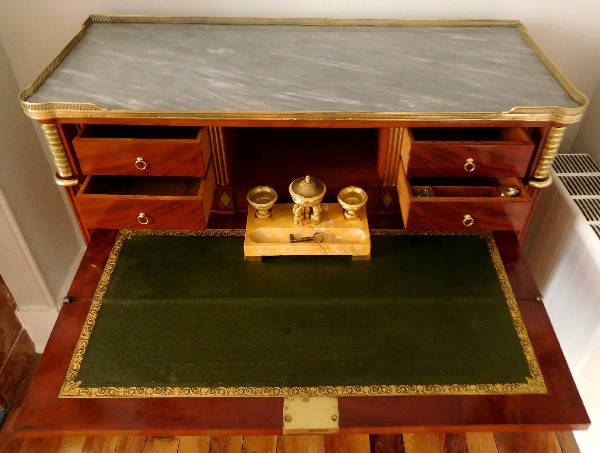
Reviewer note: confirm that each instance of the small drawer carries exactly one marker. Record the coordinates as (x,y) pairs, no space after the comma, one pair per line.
(431,205)
(112,149)
(175,203)
(467,152)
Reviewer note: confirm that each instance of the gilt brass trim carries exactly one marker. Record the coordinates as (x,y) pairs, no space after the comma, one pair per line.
(54,109)
(537,380)
(72,388)
(308,21)
(541,176)
(575,94)
(64,175)
(58,109)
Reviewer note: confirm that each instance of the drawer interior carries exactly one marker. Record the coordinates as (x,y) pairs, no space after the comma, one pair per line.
(112,131)
(146,186)
(470,134)
(466,188)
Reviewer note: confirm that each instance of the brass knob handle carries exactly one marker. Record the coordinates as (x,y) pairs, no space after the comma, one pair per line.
(141,164)
(469,165)
(468,220)
(143,218)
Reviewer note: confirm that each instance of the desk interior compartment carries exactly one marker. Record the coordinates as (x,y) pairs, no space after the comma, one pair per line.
(142,150)
(180,203)
(461,204)
(467,152)
(276,156)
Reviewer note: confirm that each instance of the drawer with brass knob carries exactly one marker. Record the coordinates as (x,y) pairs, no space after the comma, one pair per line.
(467,152)
(142,150)
(178,203)
(477,204)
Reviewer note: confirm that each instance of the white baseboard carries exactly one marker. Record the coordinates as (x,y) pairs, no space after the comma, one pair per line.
(39,321)
(39,324)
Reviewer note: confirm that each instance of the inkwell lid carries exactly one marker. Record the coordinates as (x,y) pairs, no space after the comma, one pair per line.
(307,189)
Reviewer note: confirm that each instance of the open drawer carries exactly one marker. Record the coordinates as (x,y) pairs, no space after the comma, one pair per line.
(478,152)
(489,204)
(112,149)
(177,203)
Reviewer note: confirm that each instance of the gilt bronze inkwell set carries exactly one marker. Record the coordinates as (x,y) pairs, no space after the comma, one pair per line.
(308,226)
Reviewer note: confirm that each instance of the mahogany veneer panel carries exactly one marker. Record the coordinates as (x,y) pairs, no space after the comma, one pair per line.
(165,150)
(444,152)
(448,207)
(452,215)
(184,206)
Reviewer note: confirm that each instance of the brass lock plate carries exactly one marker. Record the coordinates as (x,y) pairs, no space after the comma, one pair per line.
(310,415)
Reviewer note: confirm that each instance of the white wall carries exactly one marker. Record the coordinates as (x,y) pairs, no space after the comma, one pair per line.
(588,138)
(38,242)
(33,33)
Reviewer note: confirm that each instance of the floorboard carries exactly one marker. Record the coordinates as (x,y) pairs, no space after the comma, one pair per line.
(527,442)
(101,444)
(130,444)
(481,443)
(292,444)
(546,442)
(259,444)
(161,445)
(347,444)
(567,442)
(390,443)
(194,444)
(226,444)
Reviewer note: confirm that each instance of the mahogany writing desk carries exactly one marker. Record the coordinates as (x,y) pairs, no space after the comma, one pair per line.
(166,123)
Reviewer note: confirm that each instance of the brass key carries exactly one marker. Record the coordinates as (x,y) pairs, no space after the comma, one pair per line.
(317,238)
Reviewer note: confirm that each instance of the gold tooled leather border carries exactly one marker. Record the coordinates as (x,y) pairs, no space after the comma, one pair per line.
(72,388)
(57,109)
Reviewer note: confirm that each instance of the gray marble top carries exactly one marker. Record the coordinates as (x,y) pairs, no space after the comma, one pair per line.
(292,68)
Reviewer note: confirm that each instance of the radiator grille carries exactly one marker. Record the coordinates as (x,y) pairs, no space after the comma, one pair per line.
(581,185)
(575,163)
(590,208)
(581,177)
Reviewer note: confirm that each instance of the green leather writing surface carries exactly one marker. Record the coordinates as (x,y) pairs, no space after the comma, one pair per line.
(185,315)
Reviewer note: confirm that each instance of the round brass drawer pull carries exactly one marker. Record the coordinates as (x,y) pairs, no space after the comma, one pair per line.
(469,165)
(141,164)
(468,220)
(143,218)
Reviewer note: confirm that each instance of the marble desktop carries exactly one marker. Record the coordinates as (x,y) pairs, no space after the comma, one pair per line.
(291,68)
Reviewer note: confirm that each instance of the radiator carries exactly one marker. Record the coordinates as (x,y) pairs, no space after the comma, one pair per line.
(562,247)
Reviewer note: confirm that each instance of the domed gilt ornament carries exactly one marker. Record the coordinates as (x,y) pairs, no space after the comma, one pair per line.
(307,194)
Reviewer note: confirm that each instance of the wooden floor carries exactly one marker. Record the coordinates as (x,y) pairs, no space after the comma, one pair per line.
(543,442)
